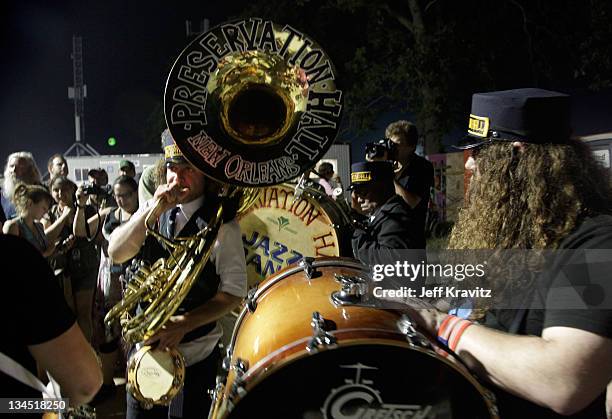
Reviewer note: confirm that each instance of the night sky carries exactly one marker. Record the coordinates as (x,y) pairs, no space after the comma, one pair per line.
(128,49)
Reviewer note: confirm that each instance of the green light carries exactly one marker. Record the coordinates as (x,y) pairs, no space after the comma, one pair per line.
(112,141)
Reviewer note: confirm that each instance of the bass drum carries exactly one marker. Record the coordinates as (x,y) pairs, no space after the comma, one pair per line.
(295,354)
(278,231)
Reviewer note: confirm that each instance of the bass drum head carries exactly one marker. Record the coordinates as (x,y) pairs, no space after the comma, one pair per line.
(365,381)
(278,232)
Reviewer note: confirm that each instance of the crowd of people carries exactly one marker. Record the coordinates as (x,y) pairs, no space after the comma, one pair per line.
(69,226)
(533,187)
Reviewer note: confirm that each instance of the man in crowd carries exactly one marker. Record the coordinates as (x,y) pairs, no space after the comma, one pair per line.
(185,208)
(413,173)
(20,167)
(57,166)
(101,198)
(387,219)
(127,168)
(535,188)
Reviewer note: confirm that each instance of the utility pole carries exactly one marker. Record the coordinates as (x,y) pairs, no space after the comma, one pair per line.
(78,92)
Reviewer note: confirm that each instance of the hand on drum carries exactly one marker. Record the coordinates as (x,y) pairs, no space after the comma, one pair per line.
(171,334)
(426,316)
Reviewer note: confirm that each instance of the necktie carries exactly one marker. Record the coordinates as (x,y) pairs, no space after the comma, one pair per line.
(172,221)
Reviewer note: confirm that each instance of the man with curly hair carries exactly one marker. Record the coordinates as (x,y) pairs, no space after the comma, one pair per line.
(536,188)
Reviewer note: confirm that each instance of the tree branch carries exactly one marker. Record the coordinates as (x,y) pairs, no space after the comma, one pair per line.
(402,20)
(430,4)
(418,23)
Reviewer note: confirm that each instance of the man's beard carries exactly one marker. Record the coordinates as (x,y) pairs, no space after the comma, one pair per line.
(8,185)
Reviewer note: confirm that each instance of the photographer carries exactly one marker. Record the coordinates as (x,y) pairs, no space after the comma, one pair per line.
(77,259)
(413,173)
(108,291)
(98,189)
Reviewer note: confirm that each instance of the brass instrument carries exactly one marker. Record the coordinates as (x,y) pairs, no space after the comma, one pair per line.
(249,103)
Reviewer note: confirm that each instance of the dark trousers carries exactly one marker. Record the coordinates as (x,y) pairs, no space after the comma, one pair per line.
(199,378)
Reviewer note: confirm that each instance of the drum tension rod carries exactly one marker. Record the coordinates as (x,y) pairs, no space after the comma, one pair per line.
(307,263)
(250,301)
(353,289)
(414,337)
(240,367)
(227,359)
(320,337)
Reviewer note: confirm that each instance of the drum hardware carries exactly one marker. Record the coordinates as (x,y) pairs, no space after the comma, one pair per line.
(240,368)
(227,359)
(250,301)
(219,386)
(320,337)
(307,263)
(300,186)
(353,289)
(492,401)
(406,327)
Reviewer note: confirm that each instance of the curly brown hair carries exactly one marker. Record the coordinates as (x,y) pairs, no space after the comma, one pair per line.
(25,195)
(530,199)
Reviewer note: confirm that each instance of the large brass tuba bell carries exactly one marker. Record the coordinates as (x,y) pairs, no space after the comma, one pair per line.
(251,104)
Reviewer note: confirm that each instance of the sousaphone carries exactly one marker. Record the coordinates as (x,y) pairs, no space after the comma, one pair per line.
(251,104)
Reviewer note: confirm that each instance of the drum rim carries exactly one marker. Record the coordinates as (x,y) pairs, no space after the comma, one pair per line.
(179,374)
(267,370)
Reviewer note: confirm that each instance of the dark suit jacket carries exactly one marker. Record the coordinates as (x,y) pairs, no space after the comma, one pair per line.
(392,226)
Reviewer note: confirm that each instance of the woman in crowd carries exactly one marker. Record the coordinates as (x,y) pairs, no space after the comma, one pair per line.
(80,261)
(108,291)
(32,202)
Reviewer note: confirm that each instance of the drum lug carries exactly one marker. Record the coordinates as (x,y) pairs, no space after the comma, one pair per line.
(406,327)
(251,302)
(320,337)
(227,359)
(353,289)
(219,386)
(240,367)
(307,263)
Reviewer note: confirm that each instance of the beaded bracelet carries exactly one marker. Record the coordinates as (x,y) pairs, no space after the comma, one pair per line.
(451,329)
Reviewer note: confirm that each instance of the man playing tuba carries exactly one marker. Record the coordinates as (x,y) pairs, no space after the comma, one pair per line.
(183,208)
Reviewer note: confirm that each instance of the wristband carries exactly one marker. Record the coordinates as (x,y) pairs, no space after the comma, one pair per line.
(457,333)
(451,329)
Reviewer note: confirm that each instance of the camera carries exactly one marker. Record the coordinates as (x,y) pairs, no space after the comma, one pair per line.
(377,149)
(93,189)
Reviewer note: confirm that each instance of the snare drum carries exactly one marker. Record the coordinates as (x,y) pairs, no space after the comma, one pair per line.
(155,376)
(296,354)
(278,232)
